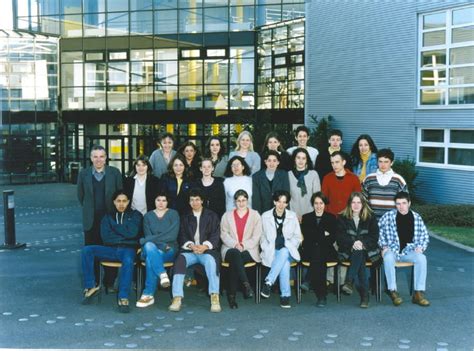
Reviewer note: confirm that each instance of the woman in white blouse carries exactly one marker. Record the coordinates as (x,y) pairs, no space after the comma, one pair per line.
(237,177)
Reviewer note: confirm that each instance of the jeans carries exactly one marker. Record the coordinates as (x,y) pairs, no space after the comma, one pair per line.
(155,260)
(357,269)
(420,270)
(209,264)
(124,255)
(281,268)
(236,260)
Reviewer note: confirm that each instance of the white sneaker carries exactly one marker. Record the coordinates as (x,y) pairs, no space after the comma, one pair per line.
(164,280)
(145,301)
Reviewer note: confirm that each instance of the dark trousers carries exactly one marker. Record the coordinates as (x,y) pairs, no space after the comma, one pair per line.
(237,274)
(92,237)
(357,269)
(317,273)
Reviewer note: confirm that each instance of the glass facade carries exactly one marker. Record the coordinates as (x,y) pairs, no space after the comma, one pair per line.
(131,68)
(28,100)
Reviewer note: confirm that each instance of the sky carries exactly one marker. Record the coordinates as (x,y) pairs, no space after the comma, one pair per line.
(6,19)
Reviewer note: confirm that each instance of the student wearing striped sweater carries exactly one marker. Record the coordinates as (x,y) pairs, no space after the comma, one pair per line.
(381,187)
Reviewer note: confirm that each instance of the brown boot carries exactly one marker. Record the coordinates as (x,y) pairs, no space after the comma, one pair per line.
(420,299)
(396,299)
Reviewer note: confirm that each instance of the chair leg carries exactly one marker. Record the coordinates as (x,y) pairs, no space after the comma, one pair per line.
(378,292)
(139,269)
(101,278)
(299,270)
(336,281)
(258,281)
(412,280)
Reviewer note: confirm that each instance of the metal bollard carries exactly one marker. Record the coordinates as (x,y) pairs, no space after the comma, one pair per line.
(9,219)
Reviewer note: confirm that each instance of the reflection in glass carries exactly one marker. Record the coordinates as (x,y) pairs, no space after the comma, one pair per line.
(117,97)
(216,97)
(462,34)
(433,58)
(461,75)
(190,72)
(462,136)
(459,56)
(94,24)
(433,96)
(190,21)
(462,157)
(434,38)
(432,135)
(216,19)
(141,97)
(72,98)
(166,22)
(142,73)
(241,71)
(432,154)
(166,97)
(141,22)
(190,97)
(216,71)
(242,97)
(242,18)
(94,98)
(72,74)
(436,20)
(462,16)
(117,23)
(433,77)
(461,95)
(166,73)
(117,73)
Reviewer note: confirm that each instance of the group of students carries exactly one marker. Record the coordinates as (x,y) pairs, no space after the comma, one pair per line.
(244,207)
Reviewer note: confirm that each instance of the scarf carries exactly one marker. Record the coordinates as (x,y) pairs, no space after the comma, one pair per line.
(384,178)
(363,170)
(331,150)
(299,175)
(280,240)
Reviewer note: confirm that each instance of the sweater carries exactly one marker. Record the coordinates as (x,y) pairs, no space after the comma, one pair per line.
(220,167)
(347,233)
(338,190)
(161,231)
(252,159)
(158,162)
(302,204)
(316,244)
(381,198)
(214,195)
(121,229)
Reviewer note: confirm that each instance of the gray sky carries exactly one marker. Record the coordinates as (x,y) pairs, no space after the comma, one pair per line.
(6,19)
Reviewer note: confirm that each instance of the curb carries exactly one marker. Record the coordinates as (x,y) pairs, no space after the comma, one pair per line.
(452,243)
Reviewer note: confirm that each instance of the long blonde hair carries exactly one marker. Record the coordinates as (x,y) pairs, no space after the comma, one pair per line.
(245,132)
(366,211)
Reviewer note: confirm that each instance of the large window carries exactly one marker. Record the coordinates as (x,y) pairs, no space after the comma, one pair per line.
(452,148)
(446,58)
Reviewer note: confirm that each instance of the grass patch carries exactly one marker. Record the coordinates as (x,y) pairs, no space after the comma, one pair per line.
(462,235)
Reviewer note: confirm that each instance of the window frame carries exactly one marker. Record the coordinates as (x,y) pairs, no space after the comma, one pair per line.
(447,47)
(446,145)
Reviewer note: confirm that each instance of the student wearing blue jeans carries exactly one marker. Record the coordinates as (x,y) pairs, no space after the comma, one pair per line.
(161,227)
(199,244)
(120,233)
(280,240)
(404,238)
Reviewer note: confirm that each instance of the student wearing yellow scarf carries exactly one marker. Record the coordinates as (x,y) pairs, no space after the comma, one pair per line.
(364,156)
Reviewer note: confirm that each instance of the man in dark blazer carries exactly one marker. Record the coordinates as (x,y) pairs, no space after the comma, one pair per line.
(198,238)
(95,188)
(266,181)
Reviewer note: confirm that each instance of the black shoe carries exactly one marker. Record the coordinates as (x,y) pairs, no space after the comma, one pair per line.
(89,294)
(232,302)
(321,302)
(285,302)
(248,292)
(266,289)
(123,306)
